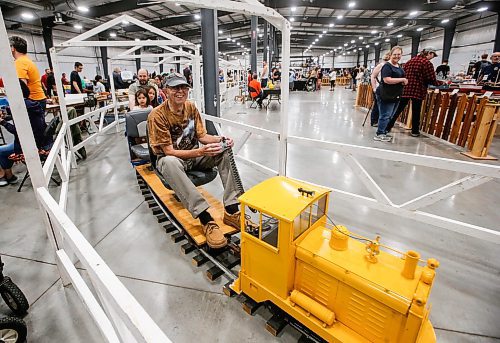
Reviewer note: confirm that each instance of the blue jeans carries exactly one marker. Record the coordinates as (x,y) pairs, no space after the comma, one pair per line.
(386,112)
(5,152)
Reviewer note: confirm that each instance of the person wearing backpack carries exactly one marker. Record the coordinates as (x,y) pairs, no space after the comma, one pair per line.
(392,81)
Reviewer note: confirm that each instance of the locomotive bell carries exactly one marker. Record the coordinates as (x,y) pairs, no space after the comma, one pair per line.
(339,239)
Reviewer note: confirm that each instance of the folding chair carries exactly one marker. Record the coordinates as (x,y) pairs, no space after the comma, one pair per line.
(254,100)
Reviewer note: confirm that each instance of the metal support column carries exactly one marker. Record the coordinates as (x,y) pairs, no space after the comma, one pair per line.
(47,25)
(253,44)
(496,47)
(365,57)
(138,60)
(266,42)
(271,46)
(449,32)
(357,59)
(210,47)
(394,42)
(377,53)
(415,42)
(104,60)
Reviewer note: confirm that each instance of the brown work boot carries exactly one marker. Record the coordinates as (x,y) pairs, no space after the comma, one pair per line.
(234,221)
(214,235)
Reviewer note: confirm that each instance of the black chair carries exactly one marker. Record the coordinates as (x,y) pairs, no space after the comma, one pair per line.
(135,130)
(254,100)
(198,177)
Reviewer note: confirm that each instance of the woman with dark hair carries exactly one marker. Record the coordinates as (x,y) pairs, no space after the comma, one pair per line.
(154,100)
(159,82)
(36,116)
(142,100)
(98,85)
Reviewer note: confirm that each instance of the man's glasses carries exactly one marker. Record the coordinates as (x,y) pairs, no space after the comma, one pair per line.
(181,88)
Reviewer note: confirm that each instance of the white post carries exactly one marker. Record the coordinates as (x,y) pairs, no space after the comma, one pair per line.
(285,76)
(113,96)
(62,103)
(196,79)
(23,125)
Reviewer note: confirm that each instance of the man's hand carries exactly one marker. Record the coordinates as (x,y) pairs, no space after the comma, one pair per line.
(229,142)
(211,149)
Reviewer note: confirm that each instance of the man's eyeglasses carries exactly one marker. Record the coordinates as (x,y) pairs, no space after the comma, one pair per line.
(181,88)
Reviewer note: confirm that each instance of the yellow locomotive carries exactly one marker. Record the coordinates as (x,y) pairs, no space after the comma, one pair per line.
(343,287)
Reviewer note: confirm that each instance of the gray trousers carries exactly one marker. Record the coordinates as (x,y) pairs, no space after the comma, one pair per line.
(174,171)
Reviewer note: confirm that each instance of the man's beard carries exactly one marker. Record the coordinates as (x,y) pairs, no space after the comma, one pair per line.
(143,82)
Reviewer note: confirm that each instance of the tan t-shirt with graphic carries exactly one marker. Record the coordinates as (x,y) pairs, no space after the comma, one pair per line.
(167,128)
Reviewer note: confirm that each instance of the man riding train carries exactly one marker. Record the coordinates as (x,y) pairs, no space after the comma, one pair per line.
(175,131)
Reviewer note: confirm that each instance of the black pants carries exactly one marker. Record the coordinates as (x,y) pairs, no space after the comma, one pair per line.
(375,111)
(416,105)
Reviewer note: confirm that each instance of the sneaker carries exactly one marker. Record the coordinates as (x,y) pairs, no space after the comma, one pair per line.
(382,138)
(214,235)
(3,182)
(375,125)
(234,220)
(415,134)
(388,135)
(13,180)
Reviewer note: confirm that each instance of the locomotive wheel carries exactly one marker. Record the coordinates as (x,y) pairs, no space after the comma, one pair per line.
(14,297)
(12,330)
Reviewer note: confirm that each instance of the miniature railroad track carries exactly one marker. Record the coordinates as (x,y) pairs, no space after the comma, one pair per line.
(221,262)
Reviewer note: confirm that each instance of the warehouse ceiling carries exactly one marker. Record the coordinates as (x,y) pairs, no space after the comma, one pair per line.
(329,24)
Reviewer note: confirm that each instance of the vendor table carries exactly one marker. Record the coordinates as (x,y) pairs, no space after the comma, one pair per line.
(300,85)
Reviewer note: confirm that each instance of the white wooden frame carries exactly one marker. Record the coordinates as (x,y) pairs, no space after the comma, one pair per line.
(117,315)
(167,42)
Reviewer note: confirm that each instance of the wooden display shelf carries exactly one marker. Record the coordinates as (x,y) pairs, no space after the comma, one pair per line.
(182,215)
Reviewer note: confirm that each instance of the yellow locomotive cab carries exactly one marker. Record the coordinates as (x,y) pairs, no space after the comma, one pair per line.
(343,287)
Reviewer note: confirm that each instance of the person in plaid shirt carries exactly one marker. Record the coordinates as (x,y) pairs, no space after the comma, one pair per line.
(420,73)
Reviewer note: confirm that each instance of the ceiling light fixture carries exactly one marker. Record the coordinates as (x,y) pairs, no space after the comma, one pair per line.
(78,26)
(125,22)
(331,50)
(197,16)
(413,13)
(220,32)
(314,43)
(316,40)
(137,40)
(374,32)
(324,31)
(292,19)
(390,24)
(343,54)
(238,43)
(367,45)
(345,44)
(331,25)
(444,21)
(177,4)
(420,29)
(360,49)
(351,4)
(377,43)
(228,39)
(83,9)
(482,9)
(261,35)
(27,15)
(112,34)
(400,35)
(387,40)
(339,17)
(293,9)
(360,38)
(320,36)
(353,41)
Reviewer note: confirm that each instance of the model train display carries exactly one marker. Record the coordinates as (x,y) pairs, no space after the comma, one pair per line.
(343,287)
(327,282)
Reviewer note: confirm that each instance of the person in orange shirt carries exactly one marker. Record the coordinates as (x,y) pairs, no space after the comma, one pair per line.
(256,92)
(27,70)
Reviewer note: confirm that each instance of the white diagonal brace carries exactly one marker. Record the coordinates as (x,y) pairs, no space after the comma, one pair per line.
(366,179)
(129,51)
(445,192)
(238,145)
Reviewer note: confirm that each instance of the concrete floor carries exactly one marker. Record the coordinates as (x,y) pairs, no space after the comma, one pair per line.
(106,205)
